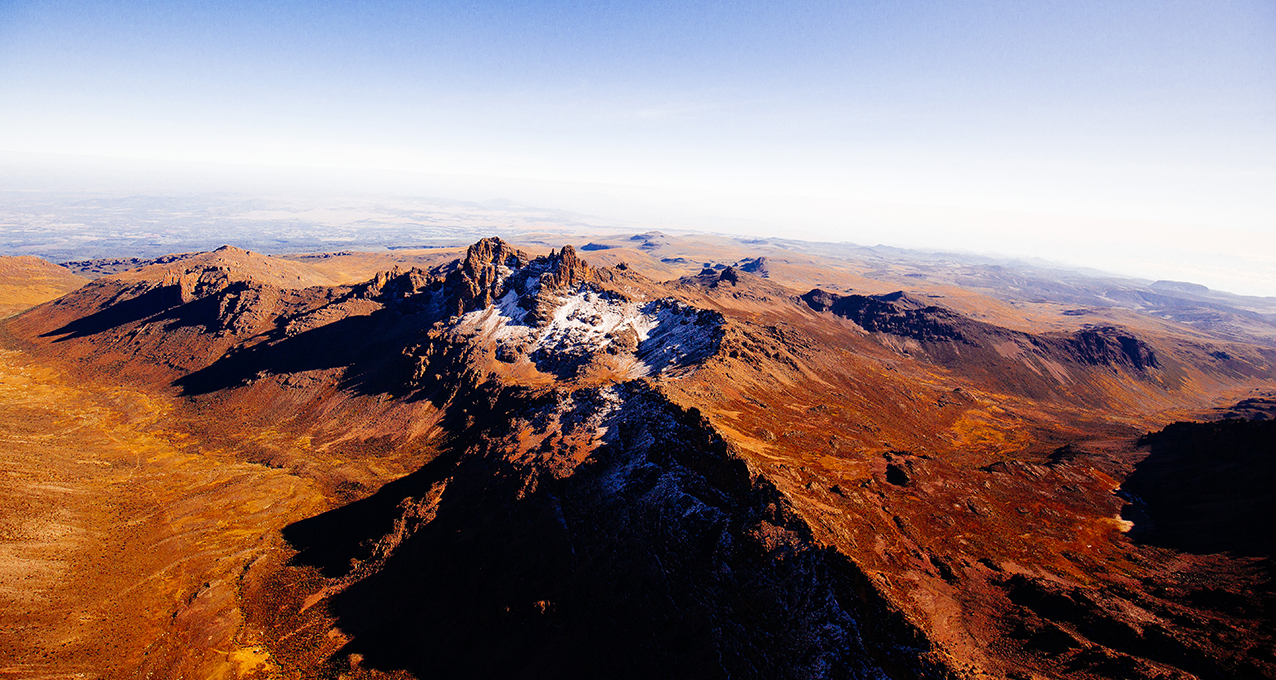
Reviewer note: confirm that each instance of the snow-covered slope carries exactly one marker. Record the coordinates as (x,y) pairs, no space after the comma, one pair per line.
(646,337)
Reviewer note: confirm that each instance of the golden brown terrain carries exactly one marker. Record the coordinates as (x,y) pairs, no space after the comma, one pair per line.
(26,281)
(412,465)
(125,545)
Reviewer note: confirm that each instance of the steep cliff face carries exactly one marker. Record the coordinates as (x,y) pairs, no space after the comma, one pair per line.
(1204,486)
(483,273)
(902,315)
(1109,346)
(492,269)
(897,314)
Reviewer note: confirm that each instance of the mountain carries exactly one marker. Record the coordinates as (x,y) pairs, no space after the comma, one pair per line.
(506,465)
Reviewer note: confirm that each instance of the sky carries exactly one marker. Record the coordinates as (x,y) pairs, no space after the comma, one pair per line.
(1137,137)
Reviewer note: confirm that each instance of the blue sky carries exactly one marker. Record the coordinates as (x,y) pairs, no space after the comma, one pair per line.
(1112,122)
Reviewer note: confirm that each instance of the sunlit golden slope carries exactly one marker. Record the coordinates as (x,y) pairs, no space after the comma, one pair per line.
(26,281)
(409,480)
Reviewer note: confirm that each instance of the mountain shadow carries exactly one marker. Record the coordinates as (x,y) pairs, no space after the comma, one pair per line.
(1206,488)
(659,557)
(370,348)
(150,303)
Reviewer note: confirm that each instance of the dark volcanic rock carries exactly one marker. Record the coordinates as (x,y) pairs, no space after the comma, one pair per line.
(659,558)
(896,475)
(396,284)
(492,268)
(896,313)
(1115,636)
(1106,345)
(943,332)
(565,270)
(760,266)
(478,281)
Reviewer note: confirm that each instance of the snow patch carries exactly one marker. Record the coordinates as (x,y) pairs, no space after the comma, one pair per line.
(676,332)
(586,321)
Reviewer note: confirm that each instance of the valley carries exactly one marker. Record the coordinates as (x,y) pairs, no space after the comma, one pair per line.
(649,456)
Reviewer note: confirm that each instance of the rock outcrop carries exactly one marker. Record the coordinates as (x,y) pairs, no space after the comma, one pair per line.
(1107,345)
(895,313)
(1203,487)
(483,273)
(531,467)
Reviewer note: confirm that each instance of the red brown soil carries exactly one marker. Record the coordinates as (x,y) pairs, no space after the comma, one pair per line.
(967,487)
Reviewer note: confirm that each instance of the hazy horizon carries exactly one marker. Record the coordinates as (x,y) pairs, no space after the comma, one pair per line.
(1136,139)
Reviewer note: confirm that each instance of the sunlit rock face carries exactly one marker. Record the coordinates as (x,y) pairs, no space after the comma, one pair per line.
(496,464)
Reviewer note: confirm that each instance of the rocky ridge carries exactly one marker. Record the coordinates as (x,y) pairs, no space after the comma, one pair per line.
(794,478)
(554,548)
(906,316)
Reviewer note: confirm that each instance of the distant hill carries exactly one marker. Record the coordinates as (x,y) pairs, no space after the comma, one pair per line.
(26,281)
(686,457)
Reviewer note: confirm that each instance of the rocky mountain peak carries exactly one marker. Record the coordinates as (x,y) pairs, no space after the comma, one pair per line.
(820,300)
(491,254)
(482,274)
(492,268)
(565,270)
(537,469)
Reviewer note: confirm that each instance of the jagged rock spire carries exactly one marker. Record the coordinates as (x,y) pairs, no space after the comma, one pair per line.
(566,270)
(486,265)
(491,266)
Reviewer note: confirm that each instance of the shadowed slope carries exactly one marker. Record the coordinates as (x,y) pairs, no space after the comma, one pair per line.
(658,557)
(1207,487)
(595,473)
